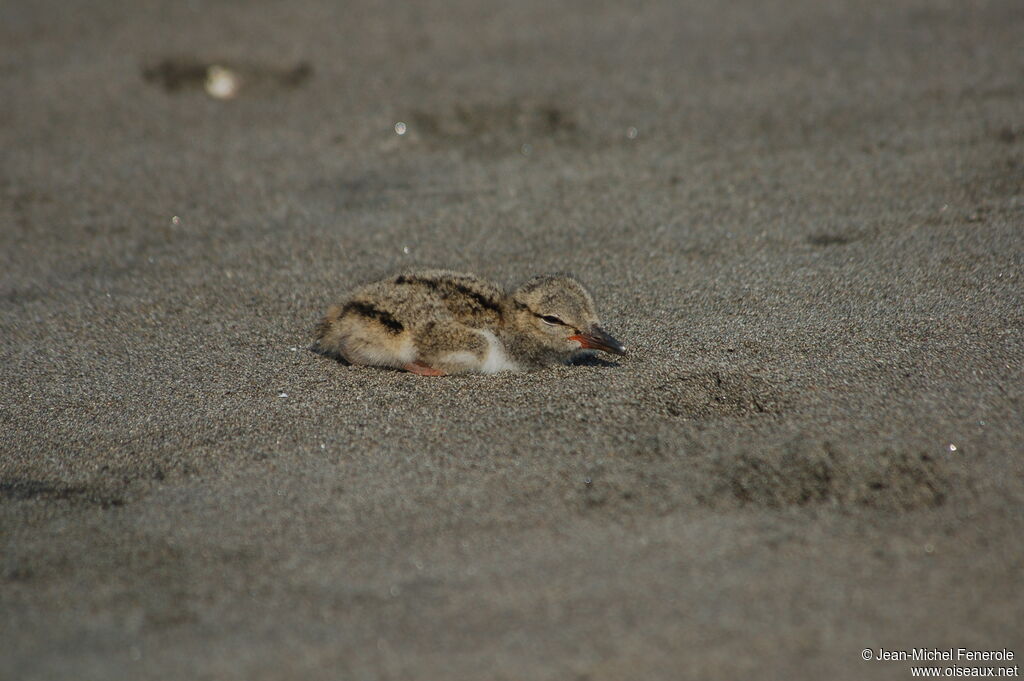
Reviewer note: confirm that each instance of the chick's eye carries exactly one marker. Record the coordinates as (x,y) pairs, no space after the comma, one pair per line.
(551,319)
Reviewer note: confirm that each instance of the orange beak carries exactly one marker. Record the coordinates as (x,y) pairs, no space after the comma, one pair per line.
(599,339)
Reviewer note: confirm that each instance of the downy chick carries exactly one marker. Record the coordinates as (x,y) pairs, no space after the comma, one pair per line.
(437,322)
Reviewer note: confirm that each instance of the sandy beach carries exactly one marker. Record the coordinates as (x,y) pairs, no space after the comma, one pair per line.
(805,220)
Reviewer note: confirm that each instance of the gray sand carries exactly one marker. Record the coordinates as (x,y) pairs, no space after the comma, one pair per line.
(812,245)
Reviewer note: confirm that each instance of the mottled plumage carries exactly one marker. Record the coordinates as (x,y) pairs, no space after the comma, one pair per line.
(436,322)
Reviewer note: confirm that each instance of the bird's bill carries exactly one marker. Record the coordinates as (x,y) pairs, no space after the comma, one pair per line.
(599,339)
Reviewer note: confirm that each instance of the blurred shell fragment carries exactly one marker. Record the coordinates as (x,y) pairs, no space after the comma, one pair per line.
(221,82)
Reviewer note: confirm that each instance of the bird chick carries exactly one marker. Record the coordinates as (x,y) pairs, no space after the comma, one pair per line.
(437,322)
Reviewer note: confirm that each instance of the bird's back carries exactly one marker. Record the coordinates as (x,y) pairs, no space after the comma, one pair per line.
(393,321)
(422,296)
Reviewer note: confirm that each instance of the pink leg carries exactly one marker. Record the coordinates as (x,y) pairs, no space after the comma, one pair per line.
(423,369)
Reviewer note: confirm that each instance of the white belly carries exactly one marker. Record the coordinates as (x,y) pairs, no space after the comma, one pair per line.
(496,359)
